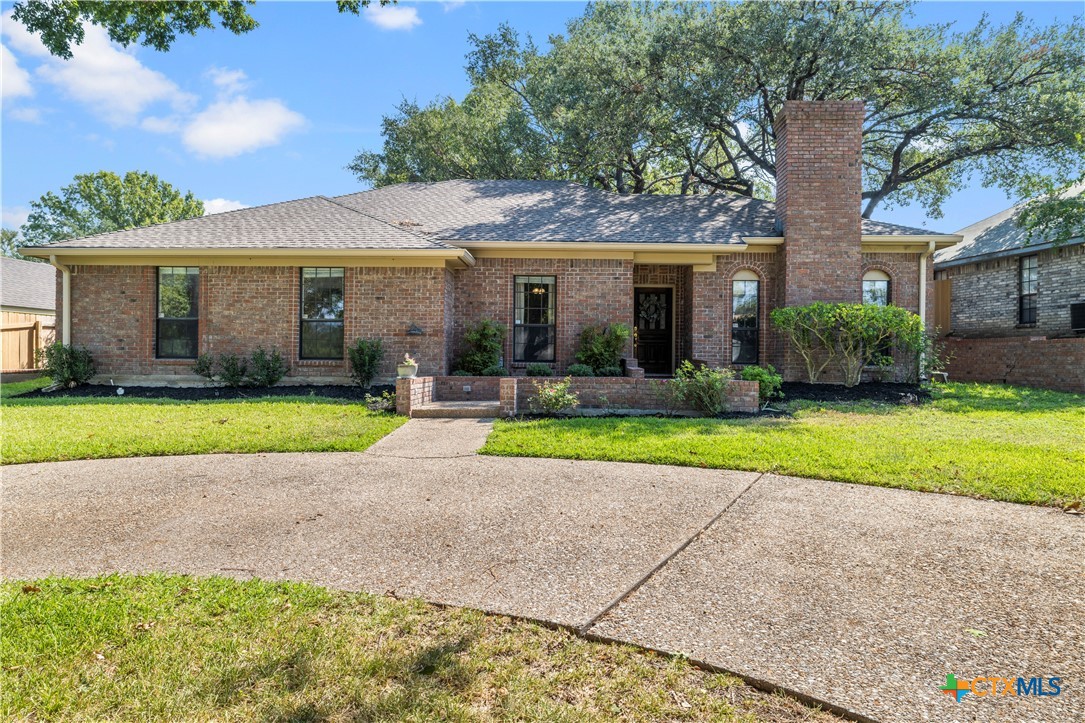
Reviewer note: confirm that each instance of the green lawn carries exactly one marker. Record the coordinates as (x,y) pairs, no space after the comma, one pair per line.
(64,428)
(171,648)
(999,442)
(11,389)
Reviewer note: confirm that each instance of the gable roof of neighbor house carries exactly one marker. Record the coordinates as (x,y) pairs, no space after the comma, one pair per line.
(995,237)
(446,214)
(27,285)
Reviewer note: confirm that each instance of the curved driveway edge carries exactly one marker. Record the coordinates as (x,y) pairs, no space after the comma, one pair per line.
(860,596)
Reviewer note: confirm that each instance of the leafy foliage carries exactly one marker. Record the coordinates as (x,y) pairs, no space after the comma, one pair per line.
(810,329)
(233,370)
(769,382)
(205,366)
(365,356)
(539,370)
(602,347)
(682,98)
(266,368)
(103,201)
(484,342)
(386,402)
(579,370)
(67,365)
(553,397)
(703,387)
(9,243)
(495,370)
(154,24)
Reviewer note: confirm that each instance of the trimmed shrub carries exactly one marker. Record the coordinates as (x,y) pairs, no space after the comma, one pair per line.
(365,357)
(386,402)
(266,368)
(811,331)
(67,365)
(602,347)
(205,366)
(495,371)
(233,370)
(539,370)
(703,387)
(484,343)
(462,373)
(768,380)
(579,370)
(553,397)
(614,371)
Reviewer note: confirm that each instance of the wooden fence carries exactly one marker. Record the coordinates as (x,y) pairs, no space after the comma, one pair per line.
(21,335)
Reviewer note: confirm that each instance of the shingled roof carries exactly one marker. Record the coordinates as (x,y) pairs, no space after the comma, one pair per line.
(995,237)
(442,215)
(27,285)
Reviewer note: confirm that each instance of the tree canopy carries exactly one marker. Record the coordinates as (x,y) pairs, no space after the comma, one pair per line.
(681,98)
(59,23)
(103,201)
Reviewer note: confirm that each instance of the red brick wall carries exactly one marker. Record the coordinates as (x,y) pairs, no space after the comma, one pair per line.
(243,307)
(818,197)
(627,393)
(1035,361)
(711,299)
(590,291)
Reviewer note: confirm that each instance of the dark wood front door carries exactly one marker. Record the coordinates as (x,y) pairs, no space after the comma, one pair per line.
(653,311)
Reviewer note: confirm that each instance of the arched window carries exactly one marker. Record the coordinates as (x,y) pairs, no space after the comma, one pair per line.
(745,317)
(876,288)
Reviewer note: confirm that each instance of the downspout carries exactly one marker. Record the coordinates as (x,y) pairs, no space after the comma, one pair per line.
(65,301)
(923,300)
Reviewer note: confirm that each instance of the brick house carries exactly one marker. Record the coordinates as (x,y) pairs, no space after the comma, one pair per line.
(416,263)
(1013,306)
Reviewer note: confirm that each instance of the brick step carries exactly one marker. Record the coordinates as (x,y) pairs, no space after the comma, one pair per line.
(458,410)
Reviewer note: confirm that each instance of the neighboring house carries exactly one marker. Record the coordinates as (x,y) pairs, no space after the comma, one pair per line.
(416,264)
(27,300)
(1013,306)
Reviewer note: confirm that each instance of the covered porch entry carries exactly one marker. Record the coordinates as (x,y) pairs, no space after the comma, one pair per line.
(662,317)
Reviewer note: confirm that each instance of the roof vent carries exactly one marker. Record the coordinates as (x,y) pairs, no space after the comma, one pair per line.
(1077,316)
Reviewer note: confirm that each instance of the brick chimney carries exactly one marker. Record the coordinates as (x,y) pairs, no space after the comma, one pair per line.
(818,199)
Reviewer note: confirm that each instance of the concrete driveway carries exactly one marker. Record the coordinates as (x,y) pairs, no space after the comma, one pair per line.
(861,597)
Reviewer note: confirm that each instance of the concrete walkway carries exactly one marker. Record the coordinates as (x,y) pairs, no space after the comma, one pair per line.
(862,597)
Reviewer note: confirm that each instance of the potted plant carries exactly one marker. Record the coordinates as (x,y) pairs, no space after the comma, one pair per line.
(407,368)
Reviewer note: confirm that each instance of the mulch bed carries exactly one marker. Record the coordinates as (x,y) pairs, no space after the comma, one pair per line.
(334,391)
(881,392)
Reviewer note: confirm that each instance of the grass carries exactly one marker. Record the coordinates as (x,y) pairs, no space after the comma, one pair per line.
(171,647)
(998,442)
(66,428)
(11,389)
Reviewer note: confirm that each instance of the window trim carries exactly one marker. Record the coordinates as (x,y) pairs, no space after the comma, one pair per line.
(553,326)
(873,275)
(1031,296)
(746,275)
(158,319)
(302,321)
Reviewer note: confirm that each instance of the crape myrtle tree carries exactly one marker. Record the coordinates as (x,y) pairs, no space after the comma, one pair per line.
(681,98)
(103,201)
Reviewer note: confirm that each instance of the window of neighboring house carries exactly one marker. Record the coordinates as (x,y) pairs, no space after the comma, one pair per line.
(321,314)
(745,315)
(534,329)
(876,288)
(1026,308)
(178,319)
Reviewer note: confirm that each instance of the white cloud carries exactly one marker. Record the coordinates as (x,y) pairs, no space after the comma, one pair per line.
(160,124)
(15,81)
(14,216)
(450,5)
(392,17)
(239,125)
(25,114)
(219,205)
(228,81)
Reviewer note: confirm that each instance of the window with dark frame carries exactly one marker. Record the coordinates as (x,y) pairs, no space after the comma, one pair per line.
(177,321)
(321,334)
(534,328)
(1026,309)
(745,327)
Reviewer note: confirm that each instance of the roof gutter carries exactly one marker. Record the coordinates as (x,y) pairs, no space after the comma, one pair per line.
(65,300)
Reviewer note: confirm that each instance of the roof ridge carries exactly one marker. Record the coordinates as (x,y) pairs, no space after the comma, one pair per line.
(381,220)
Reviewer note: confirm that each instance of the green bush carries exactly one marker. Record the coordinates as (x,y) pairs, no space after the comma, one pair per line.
(266,368)
(703,387)
(614,371)
(67,365)
(233,370)
(494,371)
(365,356)
(386,402)
(484,343)
(767,378)
(602,347)
(811,331)
(539,370)
(553,397)
(462,373)
(205,366)
(579,370)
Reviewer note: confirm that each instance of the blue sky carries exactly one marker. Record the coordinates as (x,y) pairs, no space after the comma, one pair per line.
(276,114)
